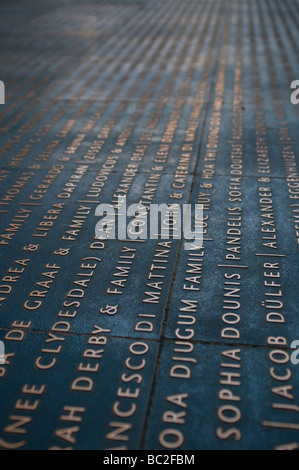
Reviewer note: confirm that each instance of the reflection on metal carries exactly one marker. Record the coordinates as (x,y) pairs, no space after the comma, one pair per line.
(2,92)
(2,353)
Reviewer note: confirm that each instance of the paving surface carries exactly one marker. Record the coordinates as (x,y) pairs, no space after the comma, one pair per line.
(143,344)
